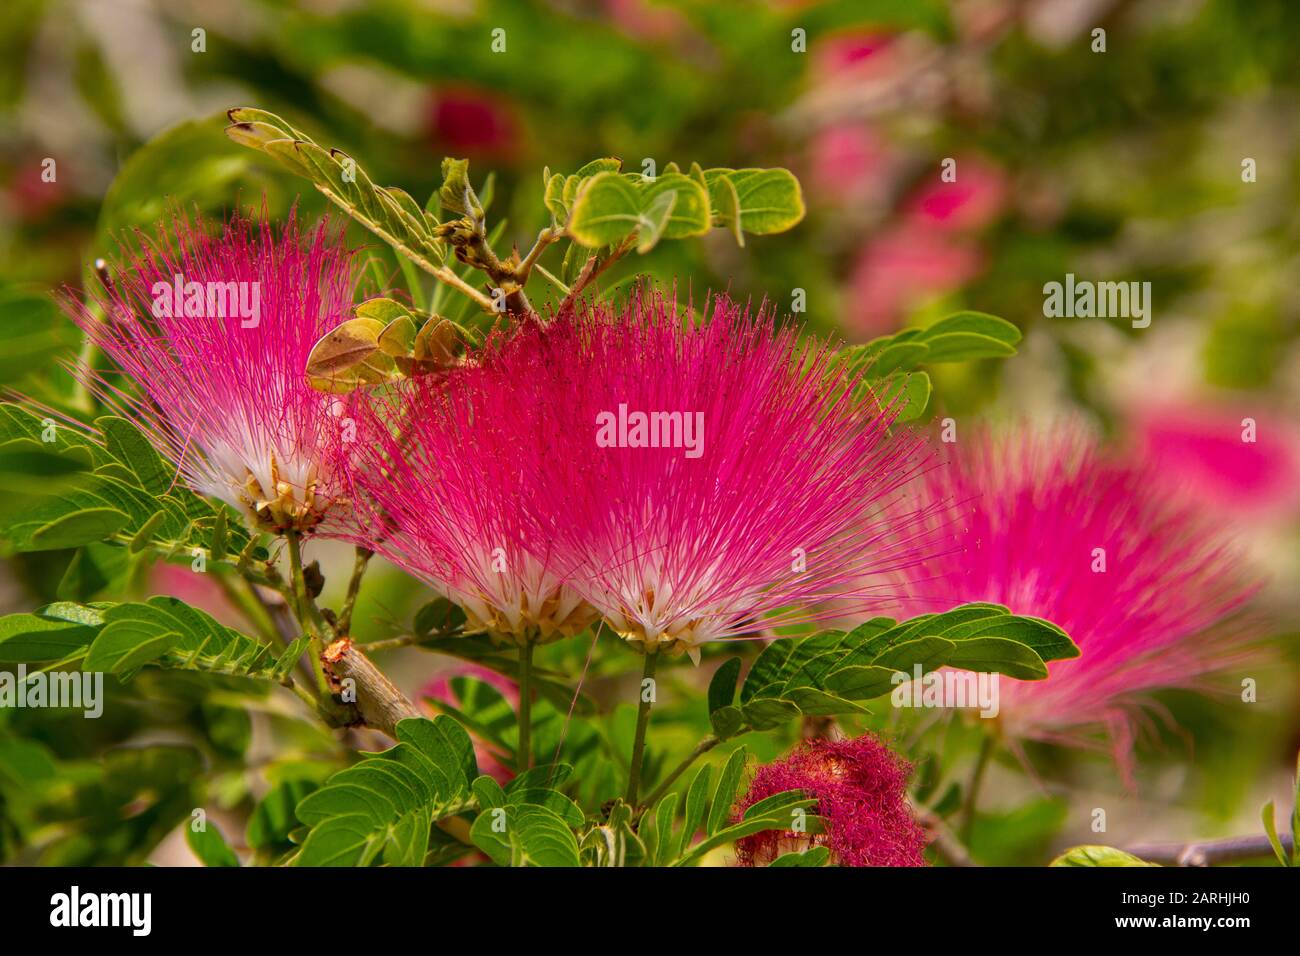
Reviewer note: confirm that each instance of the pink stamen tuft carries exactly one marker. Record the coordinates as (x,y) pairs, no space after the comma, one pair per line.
(1048,512)
(860,786)
(766,491)
(217,379)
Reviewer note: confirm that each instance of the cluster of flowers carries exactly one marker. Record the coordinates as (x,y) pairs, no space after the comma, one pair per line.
(805,502)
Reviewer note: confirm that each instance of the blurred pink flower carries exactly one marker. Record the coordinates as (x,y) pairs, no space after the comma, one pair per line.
(929,251)
(898,269)
(853,55)
(30,196)
(1201,451)
(1141,582)
(861,790)
(846,162)
(973,201)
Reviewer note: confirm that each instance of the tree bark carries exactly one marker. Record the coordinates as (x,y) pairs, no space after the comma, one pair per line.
(378,701)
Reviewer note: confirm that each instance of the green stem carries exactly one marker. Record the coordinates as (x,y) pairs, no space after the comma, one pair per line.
(311,624)
(642,723)
(552,278)
(524,755)
(392,643)
(972,791)
(303,695)
(703,747)
(362,560)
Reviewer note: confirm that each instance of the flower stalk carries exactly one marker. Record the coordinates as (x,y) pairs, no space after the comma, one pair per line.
(524,756)
(360,563)
(645,701)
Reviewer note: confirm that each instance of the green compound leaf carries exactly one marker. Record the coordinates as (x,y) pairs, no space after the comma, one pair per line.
(381,809)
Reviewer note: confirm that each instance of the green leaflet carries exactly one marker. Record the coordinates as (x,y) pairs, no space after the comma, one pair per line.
(831,672)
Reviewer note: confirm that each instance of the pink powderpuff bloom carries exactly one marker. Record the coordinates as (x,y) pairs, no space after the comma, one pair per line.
(850,162)
(861,790)
(855,56)
(449,477)
(1244,464)
(213,331)
(1140,581)
(706,481)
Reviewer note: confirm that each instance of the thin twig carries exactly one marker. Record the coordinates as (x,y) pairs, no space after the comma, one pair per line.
(304,609)
(703,747)
(359,565)
(594,268)
(950,849)
(392,643)
(544,240)
(378,701)
(1209,852)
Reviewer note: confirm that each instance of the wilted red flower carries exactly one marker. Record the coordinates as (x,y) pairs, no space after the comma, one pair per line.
(861,790)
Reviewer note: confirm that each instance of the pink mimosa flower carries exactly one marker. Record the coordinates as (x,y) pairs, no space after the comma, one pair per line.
(711,480)
(452,469)
(1241,463)
(1141,582)
(756,488)
(213,331)
(860,786)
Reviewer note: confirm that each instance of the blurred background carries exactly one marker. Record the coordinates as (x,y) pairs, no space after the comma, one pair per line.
(1168,155)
